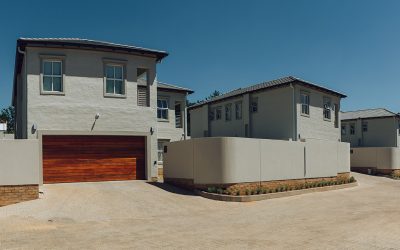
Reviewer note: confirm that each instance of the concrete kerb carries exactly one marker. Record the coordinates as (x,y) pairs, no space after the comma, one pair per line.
(259,197)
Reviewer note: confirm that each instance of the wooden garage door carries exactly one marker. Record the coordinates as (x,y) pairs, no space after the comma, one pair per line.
(76,158)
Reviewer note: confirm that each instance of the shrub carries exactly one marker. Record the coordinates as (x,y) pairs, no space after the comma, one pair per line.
(259,190)
(220,191)
(247,192)
(212,189)
(237,192)
(352,179)
(264,191)
(277,189)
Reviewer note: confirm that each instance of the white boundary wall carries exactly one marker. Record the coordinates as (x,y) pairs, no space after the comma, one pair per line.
(222,160)
(19,162)
(376,157)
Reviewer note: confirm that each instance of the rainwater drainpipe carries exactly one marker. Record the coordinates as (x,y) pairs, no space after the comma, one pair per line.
(294,132)
(25,87)
(185,119)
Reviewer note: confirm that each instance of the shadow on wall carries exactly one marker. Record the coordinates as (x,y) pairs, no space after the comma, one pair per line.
(172,189)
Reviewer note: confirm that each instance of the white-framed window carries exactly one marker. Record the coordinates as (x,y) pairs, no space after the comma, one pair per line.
(228,112)
(352,129)
(162,109)
(327,108)
(160,149)
(238,110)
(218,113)
(344,129)
(305,103)
(115,84)
(365,126)
(254,105)
(52,80)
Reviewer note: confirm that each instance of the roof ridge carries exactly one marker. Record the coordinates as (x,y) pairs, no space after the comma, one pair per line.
(368,109)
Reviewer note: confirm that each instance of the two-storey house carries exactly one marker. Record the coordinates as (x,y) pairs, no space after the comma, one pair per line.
(95,107)
(285,109)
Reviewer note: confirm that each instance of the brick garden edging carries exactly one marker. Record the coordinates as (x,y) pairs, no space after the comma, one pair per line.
(258,197)
(18,193)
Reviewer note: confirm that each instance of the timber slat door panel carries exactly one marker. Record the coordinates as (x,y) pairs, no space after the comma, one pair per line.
(79,158)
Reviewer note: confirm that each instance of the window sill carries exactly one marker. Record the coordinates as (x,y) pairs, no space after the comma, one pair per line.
(305,115)
(162,120)
(115,96)
(327,120)
(52,93)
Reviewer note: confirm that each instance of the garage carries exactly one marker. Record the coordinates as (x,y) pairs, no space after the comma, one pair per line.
(82,158)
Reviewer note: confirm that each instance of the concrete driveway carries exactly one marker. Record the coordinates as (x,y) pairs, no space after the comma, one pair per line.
(114,215)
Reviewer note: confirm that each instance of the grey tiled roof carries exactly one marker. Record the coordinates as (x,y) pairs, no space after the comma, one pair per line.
(88,42)
(265,85)
(164,85)
(367,113)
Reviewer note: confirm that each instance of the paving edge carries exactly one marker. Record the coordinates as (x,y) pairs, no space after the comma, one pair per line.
(259,197)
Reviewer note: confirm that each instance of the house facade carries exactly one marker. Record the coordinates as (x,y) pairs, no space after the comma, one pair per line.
(371,128)
(95,108)
(285,109)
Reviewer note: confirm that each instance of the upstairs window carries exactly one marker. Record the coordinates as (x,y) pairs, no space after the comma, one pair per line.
(238,110)
(115,80)
(211,114)
(365,126)
(52,76)
(352,129)
(254,105)
(344,129)
(228,112)
(327,108)
(305,103)
(218,113)
(162,109)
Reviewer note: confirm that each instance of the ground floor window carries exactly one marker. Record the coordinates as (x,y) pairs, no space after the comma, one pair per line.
(161,144)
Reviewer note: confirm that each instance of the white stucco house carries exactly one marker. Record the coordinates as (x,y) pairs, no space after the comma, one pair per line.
(96,108)
(374,136)
(288,108)
(371,128)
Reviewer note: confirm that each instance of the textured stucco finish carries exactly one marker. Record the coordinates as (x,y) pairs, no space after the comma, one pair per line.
(277,116)
(19,162)
(376,157)
(382,132)
(224,160)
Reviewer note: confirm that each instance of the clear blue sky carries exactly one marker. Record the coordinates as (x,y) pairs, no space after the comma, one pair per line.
(349,46)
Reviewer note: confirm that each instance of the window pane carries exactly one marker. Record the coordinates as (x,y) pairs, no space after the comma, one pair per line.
(158,113)
(110,86)
(47,83)
(47,68)
(57,68)
(118,72)
(110,72)
(164,114)
(165,104)
(118,87)
(57,84)
(159,105)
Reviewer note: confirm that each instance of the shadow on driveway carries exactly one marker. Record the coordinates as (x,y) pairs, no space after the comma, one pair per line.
(172,189)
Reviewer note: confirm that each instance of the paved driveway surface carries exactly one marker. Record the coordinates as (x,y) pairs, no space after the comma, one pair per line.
(135,214)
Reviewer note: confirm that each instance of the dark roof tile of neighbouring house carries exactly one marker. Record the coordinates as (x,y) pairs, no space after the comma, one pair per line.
(281,82)
(367,113)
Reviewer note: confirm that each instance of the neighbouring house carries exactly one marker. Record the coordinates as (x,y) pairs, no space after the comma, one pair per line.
(371,128)
(96,108)
(293,137)
(285,108)
(374,136)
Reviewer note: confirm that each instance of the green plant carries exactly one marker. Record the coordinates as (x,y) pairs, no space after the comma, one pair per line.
(237,193)
(220,191)
(352,179)
(259,190)
(264,190)
(212,189)
(247,192)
